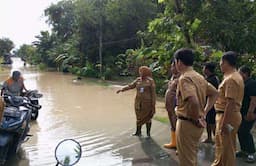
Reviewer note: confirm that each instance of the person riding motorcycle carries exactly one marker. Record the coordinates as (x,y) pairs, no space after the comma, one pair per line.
(14,85)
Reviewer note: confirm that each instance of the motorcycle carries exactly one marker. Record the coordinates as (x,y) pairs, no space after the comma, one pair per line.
(34,96)
(68,152)
(15,125)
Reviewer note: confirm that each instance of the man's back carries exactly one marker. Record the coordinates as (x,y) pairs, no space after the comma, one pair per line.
(191,83)
(13,87)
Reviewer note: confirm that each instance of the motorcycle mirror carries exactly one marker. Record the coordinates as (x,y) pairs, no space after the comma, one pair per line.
(68,152)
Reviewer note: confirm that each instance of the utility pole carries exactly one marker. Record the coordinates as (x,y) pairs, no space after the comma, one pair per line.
(100,40)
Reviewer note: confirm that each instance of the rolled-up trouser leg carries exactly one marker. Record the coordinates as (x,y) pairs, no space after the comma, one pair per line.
(172,119)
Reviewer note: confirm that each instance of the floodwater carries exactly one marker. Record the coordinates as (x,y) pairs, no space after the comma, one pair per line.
(85,110)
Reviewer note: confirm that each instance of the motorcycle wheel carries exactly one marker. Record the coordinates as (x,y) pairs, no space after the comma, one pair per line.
(34,115)
(13,148)
(4,152)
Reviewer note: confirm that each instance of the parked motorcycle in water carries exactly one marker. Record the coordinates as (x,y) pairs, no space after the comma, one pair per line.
(68,152)
(34,96)
(15,125)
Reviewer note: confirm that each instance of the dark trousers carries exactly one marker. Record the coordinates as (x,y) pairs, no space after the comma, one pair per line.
(245,137)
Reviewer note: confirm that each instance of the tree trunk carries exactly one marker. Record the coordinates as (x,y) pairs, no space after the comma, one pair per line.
(178,4)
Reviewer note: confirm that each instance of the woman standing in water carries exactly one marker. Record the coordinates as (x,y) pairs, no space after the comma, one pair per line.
(145,99)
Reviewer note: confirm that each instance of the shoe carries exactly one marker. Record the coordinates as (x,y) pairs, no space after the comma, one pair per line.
(138,132)
(148,126)
(250,158)
(172,144)
(241,154)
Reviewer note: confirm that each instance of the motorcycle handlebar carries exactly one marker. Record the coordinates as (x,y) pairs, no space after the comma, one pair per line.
(34,105)
(33,93)
(26,102)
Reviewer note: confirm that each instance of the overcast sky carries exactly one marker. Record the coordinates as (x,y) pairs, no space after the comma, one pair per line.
(22,20)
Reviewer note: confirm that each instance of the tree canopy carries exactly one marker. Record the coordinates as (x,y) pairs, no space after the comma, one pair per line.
(144,32)
(78,24)
(6,45)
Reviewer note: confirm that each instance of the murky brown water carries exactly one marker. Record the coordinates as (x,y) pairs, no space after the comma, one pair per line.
(84,111)
(92,114)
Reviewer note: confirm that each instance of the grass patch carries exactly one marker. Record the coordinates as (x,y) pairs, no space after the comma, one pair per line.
(162,119)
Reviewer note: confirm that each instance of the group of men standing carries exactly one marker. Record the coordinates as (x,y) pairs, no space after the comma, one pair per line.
(192,100)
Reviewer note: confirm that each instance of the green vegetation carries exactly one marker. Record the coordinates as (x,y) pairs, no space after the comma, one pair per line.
(73,44)
(6,45)
(28,53)
(162,119)
(141,32)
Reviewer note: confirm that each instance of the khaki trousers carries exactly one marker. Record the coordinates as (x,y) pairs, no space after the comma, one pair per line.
(225,150)
(1,108)
(188,136)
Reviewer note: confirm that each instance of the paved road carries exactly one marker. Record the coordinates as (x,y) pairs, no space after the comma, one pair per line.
(150,151)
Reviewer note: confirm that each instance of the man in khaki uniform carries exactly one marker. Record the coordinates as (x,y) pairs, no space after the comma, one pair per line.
(1,108)
(192,107)
(170,104)
(228,116)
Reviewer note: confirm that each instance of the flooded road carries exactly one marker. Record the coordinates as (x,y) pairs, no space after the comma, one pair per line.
(87,111)
(100,120)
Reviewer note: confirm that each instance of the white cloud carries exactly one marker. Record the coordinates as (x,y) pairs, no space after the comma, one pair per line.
(22,20)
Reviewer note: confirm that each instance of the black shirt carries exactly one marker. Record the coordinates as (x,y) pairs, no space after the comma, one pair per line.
(214,80)
(249,90)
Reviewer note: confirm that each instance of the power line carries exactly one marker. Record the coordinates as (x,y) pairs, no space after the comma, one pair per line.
(112,42)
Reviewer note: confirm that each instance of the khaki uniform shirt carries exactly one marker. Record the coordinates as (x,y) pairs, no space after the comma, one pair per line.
(145,90)
(231,87)
(172,85)
(170,94)
(191,84)
(1,108)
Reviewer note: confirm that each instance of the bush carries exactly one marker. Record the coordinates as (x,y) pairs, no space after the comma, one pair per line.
(89,72)
(109,74)
(161,86)
(74,70)
(42,66)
